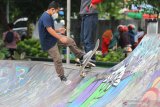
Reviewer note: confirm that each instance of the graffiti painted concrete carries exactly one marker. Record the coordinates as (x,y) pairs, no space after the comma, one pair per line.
(35,84)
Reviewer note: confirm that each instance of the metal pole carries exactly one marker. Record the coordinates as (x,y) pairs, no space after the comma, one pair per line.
(7,11)
(152,27)
(68,28)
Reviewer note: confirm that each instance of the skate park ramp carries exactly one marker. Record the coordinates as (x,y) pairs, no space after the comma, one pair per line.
(35,84)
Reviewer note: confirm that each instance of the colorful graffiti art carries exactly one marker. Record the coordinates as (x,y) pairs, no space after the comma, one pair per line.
(151,97)
(21,72)
(134,82)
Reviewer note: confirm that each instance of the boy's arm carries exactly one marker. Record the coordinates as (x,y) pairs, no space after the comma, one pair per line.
(61,38)
(61,30)
(4,35)
(17,36)
(53,32)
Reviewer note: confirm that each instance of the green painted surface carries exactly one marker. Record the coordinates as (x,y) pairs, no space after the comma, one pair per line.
(99,92)
(80,88)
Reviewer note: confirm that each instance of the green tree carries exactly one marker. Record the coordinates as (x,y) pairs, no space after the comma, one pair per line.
(3,19)
(33,8)
(112,7)
(154,3)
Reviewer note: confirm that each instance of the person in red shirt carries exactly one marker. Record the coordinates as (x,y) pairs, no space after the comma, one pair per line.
(96,1)
(106,38)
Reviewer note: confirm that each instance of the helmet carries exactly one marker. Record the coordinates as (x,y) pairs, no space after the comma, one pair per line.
(120,28)
(125,29)
(131,27)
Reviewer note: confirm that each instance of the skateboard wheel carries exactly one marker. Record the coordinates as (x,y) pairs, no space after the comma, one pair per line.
(83,74)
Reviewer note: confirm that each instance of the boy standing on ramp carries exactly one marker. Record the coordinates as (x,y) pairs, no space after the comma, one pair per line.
(49,37)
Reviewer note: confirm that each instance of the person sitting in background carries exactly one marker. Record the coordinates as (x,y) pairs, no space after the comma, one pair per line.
(10,39)
(124,40)
(106,38)
(114,42)
(132,33)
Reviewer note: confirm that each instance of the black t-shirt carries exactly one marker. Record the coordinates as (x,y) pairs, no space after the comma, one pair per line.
(124,39)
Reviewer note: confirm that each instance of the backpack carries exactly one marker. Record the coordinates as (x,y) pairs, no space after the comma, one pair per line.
(9,37)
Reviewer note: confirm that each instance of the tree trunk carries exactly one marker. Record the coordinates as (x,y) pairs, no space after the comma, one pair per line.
(3,19)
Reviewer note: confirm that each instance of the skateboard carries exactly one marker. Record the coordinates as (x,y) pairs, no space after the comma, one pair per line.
(89,65)
(86,61)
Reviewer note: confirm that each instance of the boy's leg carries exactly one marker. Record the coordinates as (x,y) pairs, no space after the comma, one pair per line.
(54,53)
(78,53)
(11,51)
(72,45)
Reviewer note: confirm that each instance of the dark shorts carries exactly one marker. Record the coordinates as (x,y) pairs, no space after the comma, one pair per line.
(11,51)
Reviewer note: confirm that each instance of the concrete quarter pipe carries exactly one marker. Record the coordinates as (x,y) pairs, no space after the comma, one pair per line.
(35,84)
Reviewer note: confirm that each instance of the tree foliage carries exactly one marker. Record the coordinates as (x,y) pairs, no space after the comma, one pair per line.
(3,19)
(30,8)
(111,7)
(154,3)
(33,8)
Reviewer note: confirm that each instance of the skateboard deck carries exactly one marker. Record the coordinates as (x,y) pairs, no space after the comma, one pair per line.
(89,65)
(86,61)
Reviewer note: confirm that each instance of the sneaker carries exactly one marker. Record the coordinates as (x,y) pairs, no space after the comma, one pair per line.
(64,80)
(93,61)
(86,56)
